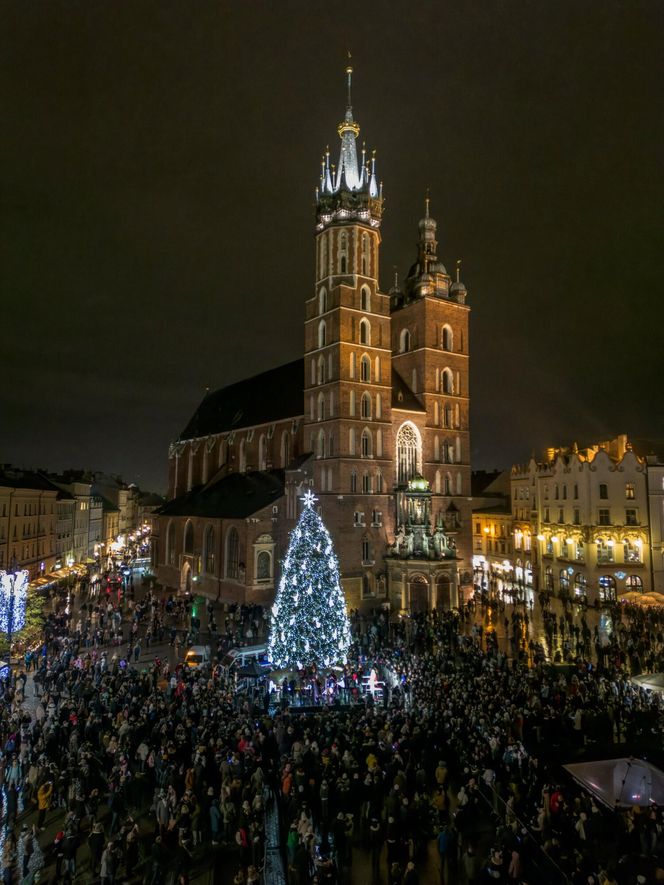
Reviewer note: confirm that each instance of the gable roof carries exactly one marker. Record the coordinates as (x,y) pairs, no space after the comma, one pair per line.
(271,396)
(234,496)
(402,396)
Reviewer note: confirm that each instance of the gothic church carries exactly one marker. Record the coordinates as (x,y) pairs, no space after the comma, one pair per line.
(374,419)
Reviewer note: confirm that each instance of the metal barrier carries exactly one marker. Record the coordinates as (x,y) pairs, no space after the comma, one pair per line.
(548,871)
(274,872)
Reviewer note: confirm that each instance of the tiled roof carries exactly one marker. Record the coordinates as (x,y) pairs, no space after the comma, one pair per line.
(27,479)
(235,496)
(271,396)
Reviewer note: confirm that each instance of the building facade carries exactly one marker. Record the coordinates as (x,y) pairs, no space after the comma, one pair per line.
(375,419)
(28,518)
(585,513)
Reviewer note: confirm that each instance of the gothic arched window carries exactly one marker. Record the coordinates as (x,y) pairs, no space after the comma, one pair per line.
(447,339)
(365,258)
(365,298)
(208,550)
(404,341)
(232,554)
(365,410)
(365,331)
(447,381)
(367,444)
(170,544)
(262,453)
(343,252)
(365,368)
(285,448)
(408,452)
(188,546)
(322,334)
(322,300)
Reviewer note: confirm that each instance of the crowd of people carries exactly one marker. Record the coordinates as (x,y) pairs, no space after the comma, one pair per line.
(466,746)
(155,767)
(142,763)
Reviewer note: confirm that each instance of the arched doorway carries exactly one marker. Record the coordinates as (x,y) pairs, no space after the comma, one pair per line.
(418,594)
(185,578)
(443,593)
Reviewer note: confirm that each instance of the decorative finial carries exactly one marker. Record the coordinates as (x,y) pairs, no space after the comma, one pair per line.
(309,498)
(396,277)
(426,204)
(458,269)
(349,73)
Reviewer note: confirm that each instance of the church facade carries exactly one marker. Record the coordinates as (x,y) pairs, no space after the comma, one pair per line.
(374,419)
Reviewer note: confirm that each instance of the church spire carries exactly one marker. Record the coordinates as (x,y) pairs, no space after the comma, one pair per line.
(348,175)
(351,189)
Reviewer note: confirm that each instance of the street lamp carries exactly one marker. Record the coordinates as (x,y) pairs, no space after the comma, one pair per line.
(13,600)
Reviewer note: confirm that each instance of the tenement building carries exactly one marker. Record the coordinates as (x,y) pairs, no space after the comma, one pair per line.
(374,418)
(582,516)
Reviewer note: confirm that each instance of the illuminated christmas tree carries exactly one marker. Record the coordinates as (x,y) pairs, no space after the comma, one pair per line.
(309,620)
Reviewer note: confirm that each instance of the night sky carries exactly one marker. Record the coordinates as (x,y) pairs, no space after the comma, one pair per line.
(159,163)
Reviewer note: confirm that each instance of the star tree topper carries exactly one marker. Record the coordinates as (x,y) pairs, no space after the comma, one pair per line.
(309,498)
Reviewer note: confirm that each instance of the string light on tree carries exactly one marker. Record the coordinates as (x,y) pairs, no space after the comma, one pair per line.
(309,620)
(13,600)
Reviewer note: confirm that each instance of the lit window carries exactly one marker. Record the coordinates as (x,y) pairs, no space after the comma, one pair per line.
(629,491)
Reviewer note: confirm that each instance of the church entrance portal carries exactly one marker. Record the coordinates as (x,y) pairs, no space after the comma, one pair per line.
(443,593)
(185,578)
(419,594)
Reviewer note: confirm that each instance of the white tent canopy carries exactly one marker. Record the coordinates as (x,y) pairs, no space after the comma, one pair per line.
(621,782)
(652,681)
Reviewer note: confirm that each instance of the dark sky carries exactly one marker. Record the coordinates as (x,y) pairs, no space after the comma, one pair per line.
(158,164)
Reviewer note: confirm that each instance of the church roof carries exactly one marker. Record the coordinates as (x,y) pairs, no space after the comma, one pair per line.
(402,396)
(271,396)
(235,496)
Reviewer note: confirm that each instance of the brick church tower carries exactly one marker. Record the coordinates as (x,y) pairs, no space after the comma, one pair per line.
(374,418)
(385,395)
(347,384)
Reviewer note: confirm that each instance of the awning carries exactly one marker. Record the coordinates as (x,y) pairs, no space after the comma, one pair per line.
(651,681)
(621,783)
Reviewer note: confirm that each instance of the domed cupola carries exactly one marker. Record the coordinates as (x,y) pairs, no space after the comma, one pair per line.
(458,291)
(428,275)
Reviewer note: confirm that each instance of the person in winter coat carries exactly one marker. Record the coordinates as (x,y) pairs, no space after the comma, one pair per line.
(44,796)
(215,820)
(96,842)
